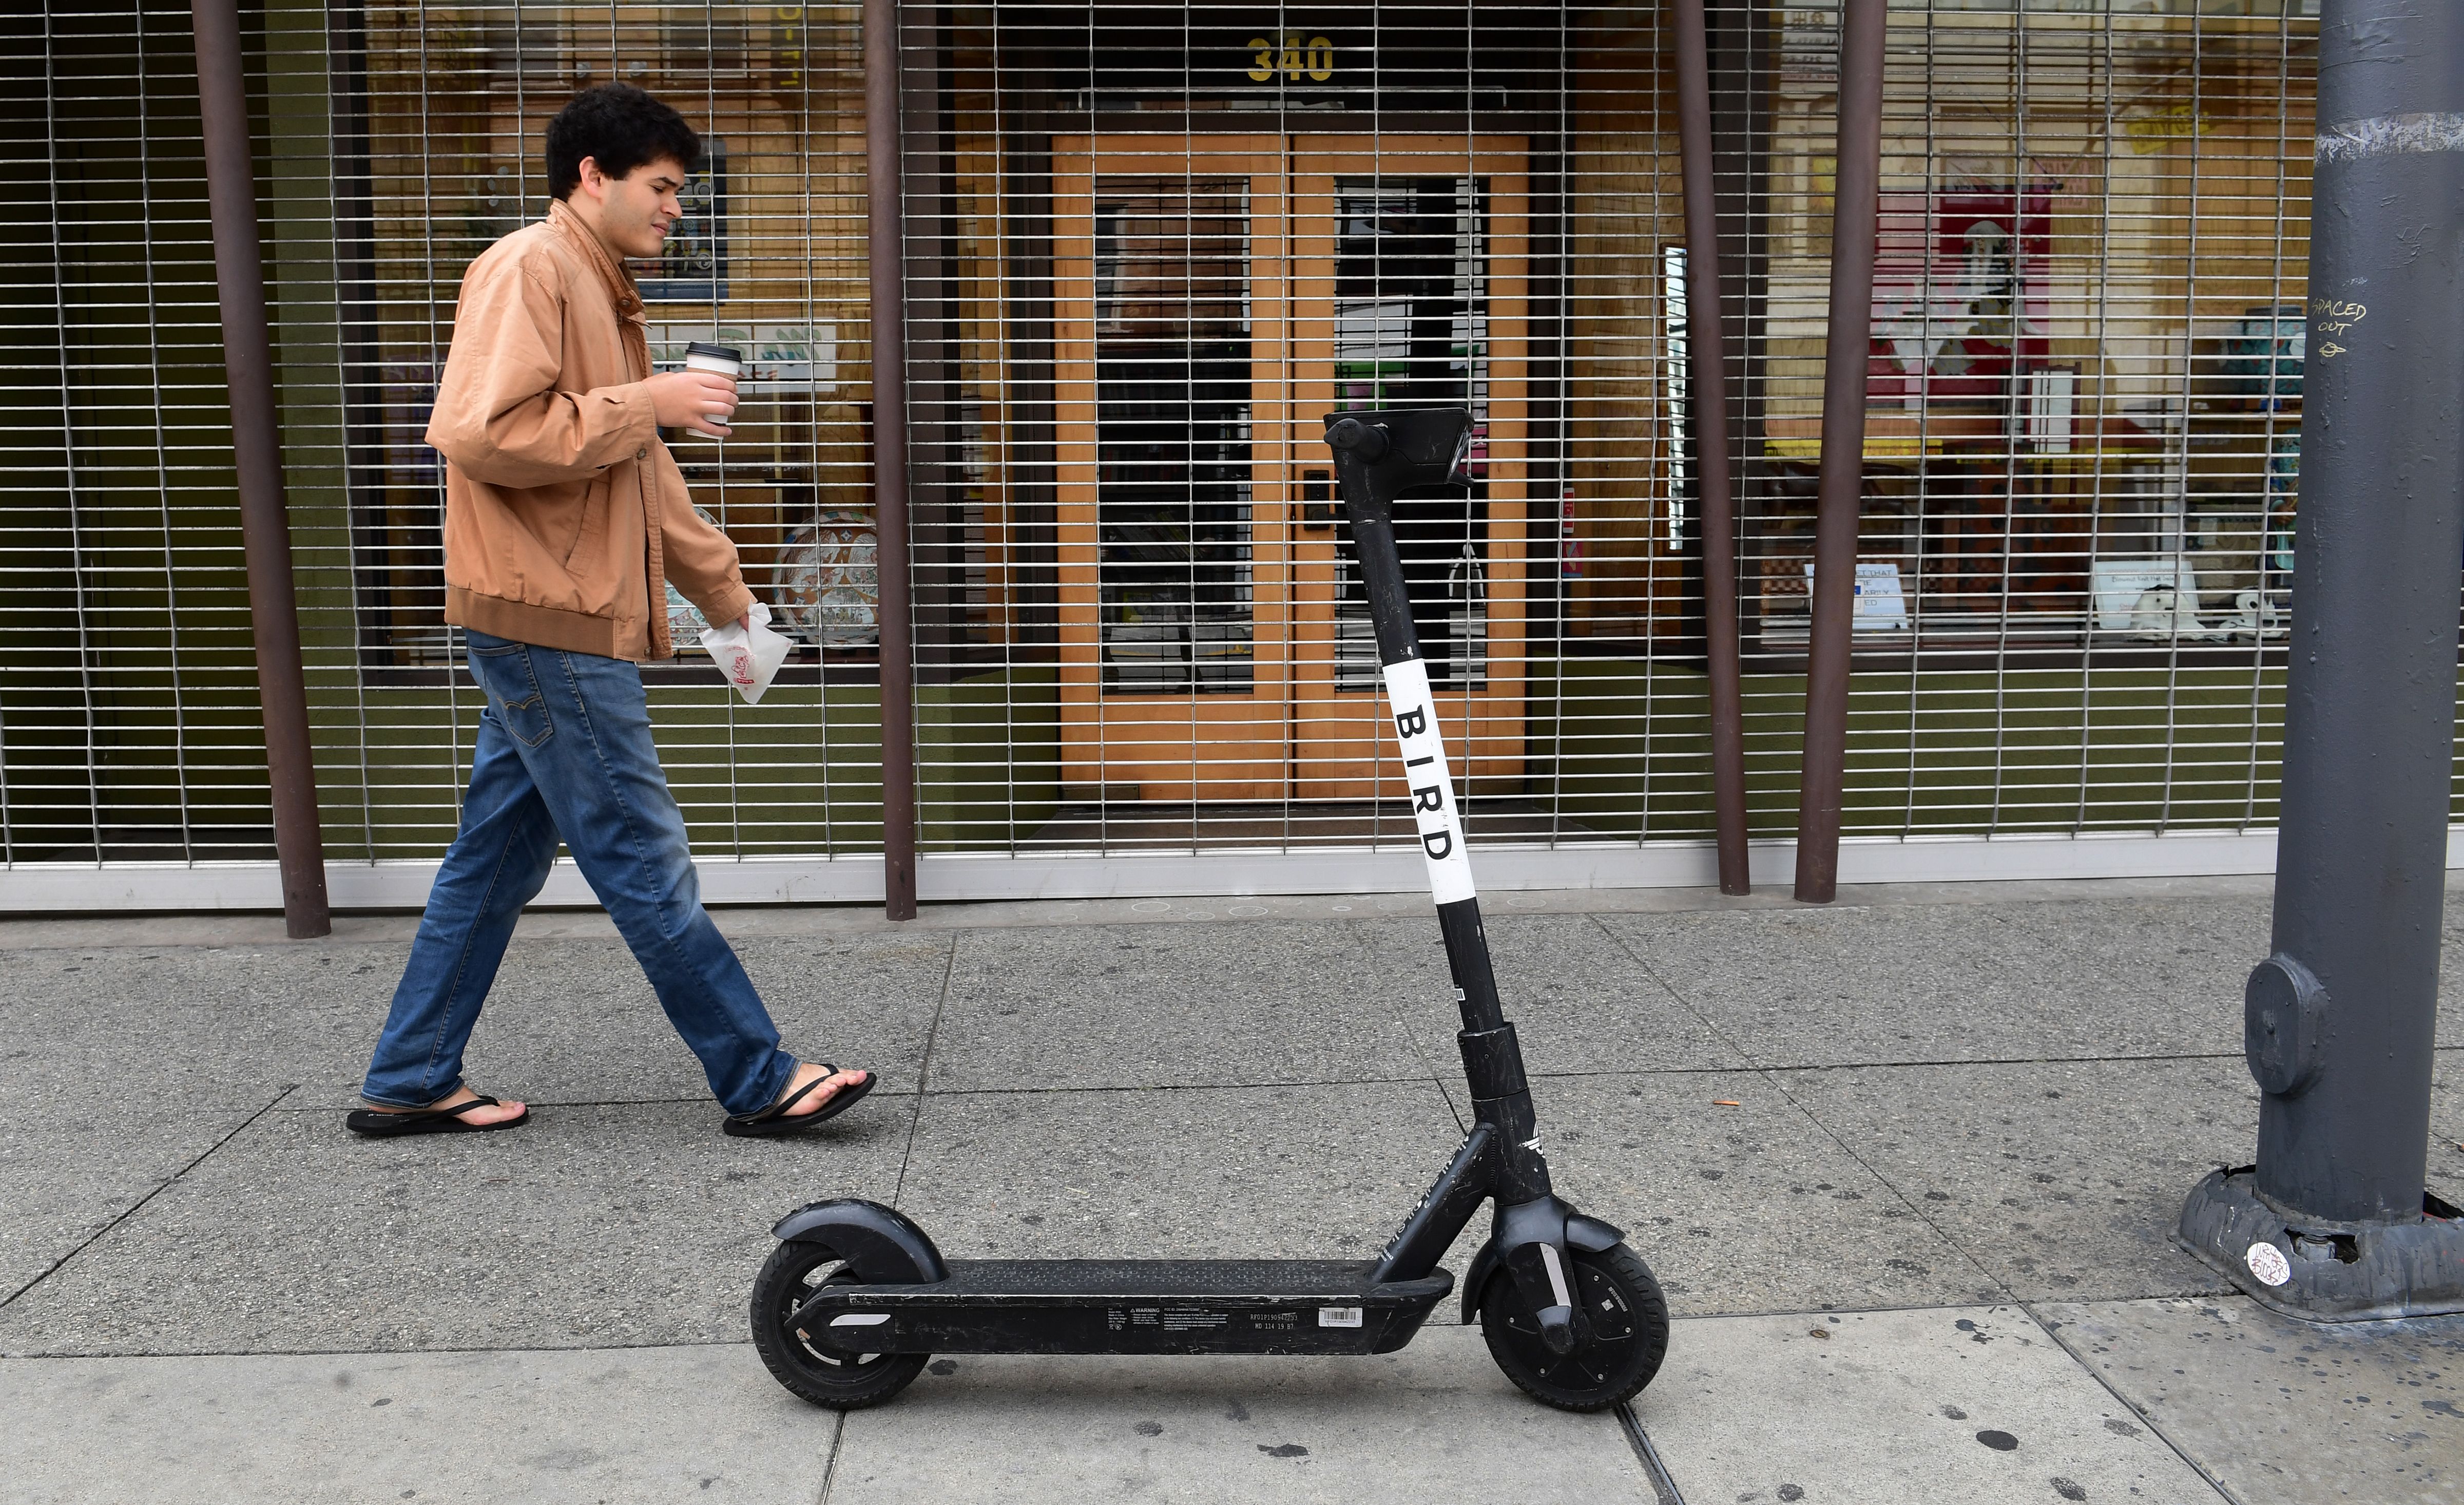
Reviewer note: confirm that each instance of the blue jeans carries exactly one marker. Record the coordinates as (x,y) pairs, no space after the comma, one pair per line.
(565,750)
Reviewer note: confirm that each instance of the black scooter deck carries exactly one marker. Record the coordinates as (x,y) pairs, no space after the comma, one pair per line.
(1129,1306)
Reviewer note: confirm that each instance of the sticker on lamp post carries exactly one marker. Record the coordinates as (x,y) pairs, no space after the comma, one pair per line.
(2268,1263)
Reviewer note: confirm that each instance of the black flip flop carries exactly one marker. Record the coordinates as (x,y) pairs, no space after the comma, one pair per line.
(771,1121)
(376,1125)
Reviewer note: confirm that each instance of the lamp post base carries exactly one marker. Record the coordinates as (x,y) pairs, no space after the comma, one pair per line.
(2324,1272)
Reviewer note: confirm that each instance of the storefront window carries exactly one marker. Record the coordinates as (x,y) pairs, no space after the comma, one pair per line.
(442,155)
(2084,381)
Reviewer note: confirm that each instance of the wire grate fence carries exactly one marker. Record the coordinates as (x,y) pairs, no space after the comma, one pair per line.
(128,696)
(1148,248)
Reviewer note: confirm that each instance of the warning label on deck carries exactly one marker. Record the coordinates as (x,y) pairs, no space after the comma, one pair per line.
(1191,1319)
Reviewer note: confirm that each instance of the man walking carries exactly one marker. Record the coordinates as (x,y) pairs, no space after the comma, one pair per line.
(564,517)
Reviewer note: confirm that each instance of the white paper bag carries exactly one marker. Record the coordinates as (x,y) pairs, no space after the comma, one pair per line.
(749,658)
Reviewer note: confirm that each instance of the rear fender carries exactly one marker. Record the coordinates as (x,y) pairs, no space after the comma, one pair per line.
(881,1244)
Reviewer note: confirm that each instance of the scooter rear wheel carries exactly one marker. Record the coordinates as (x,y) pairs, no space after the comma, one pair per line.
(1629,1322)
(822,1376)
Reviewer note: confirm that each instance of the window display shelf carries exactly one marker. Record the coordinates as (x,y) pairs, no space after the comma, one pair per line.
(1977,529)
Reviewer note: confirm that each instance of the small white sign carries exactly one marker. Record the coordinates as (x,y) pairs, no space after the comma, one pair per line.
(668,342)
(1881,605)
(1338,1317)
(2119,584)
(787,357)
(2268,1263)
(802,356)
(2052,399)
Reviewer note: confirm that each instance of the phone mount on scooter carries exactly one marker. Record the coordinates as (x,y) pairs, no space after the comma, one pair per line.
(856,1296)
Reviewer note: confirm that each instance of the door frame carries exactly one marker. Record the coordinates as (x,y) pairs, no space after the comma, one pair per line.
(1294,735)
(1338,734)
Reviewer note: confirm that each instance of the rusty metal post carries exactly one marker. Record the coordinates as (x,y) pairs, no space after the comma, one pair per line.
(1841,484)
(1707,348)
(884,162)
(256,453)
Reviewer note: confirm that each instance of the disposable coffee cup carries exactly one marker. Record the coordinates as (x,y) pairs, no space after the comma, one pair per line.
(719,360)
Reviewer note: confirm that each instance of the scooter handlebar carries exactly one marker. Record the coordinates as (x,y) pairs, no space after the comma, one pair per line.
(1398,450)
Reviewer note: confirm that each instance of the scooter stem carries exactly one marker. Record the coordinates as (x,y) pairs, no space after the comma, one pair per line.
(1378,456)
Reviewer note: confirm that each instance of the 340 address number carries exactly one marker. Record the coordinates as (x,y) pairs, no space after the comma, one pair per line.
(1294,57)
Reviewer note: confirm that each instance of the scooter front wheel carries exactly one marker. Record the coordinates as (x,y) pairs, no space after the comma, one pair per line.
(826,1377)
(1629,1322)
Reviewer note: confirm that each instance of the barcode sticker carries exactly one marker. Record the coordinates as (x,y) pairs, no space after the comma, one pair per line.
(1338,1317)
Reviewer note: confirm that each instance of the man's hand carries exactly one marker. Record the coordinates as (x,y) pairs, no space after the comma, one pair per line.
(692,399)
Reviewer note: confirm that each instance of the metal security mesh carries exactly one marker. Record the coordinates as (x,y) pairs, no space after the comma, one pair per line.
(2083,420)
(127,693)
(436,115)
(1149,248)
(1178,237)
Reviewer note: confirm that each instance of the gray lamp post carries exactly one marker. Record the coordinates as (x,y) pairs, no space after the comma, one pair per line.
(2334,1221)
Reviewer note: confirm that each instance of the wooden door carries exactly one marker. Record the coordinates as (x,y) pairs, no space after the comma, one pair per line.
(1413,293)
(1217,296)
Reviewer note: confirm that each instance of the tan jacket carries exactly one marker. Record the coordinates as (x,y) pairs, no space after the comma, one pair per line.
(564,514)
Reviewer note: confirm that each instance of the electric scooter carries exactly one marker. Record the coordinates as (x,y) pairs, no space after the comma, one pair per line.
(856,1298)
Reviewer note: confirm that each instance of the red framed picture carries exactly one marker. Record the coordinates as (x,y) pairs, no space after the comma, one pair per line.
(1959,294)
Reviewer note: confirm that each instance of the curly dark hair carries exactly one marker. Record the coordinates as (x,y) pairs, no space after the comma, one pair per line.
(620,125)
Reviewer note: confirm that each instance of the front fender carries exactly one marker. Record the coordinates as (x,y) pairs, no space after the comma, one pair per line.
(1590,1234)
(1593,1236)
(882,1244)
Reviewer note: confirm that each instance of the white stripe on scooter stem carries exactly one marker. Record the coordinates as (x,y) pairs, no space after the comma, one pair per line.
(1433,788)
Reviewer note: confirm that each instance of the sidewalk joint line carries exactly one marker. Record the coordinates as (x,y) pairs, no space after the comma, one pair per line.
(999,1092)
(141,1202)
(90,1355)
(1914,1208)
(924,1070)
(1772,1076)
(1748,1066)
(1177,1087)
(831,1466)
(2054,1331)
(1846,1309)
(601,1102)
(1411,1036)
(1663,1486)
(1998,1060)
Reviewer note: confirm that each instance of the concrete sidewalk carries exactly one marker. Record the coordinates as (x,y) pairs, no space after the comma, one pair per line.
(1923,1257)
